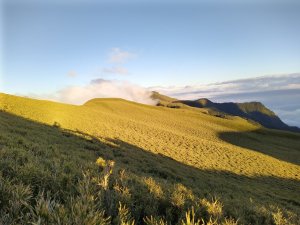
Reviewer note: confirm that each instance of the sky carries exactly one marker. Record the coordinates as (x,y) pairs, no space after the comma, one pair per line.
(74,50)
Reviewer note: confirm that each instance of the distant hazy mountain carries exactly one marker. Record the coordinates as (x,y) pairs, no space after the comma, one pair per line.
(254,111)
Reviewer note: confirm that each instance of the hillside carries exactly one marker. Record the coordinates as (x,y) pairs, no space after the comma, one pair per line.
(254,111)
(171,165)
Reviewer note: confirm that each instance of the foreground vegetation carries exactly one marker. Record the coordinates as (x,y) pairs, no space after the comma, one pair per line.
(116,162)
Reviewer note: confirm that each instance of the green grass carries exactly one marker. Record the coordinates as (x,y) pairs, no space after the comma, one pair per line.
(176,162)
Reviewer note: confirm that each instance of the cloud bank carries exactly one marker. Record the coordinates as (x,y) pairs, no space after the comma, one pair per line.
(101,88)
(281,93)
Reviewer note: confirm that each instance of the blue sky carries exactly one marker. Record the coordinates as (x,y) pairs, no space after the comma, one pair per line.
(48,46)
(175,43)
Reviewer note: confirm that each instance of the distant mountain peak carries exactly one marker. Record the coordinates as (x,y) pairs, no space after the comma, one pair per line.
(255,111)
(204,102)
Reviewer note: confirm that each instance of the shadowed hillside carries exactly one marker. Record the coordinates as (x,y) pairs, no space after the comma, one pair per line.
(279,144)
(175,160)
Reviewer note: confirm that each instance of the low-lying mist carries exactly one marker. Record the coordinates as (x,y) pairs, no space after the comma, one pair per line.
(101,88)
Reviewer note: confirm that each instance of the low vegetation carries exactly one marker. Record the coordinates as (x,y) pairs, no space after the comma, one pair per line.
(116,162)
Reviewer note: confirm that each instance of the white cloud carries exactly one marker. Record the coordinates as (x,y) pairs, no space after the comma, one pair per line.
(116,70)
(119,56)
(101,88)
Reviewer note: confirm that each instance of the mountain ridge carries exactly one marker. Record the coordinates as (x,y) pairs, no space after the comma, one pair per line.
(255,111)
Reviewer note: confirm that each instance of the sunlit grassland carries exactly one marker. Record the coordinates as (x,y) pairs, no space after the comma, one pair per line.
(253,171)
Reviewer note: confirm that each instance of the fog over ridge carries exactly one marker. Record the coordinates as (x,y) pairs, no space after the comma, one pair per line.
(100,88)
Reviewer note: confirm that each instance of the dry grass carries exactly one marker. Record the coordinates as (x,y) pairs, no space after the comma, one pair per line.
(177,154)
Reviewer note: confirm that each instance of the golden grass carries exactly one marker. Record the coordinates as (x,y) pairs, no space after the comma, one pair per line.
(216,151)
(188,136)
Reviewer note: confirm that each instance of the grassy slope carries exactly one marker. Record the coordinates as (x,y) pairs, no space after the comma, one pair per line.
(231,158)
